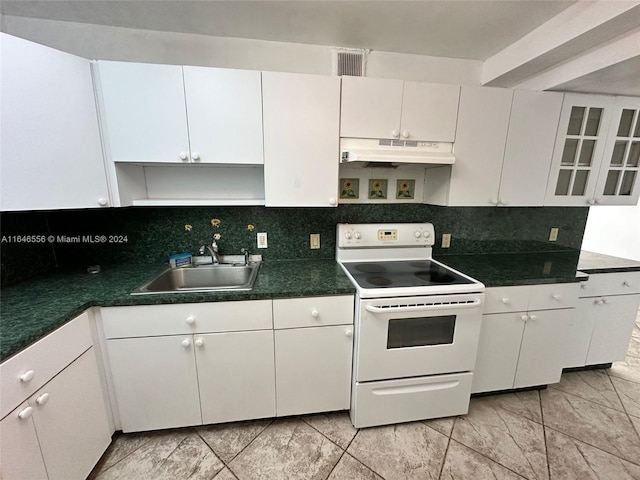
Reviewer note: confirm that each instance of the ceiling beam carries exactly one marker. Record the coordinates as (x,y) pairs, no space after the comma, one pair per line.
(577,29)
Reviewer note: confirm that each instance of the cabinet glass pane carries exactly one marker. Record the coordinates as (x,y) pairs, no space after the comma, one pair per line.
(575,120)
(569,153)
(580,183)
(624,129)
(564,179)
(611,183)
(586,153)
(617,157)
(593,122)
(628,179)
(636,132)
(634,154)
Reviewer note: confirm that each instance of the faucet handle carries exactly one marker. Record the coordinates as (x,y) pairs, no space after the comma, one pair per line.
(246,255)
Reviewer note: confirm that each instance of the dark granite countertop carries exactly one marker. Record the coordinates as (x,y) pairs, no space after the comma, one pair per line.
(591,262)
(32,309)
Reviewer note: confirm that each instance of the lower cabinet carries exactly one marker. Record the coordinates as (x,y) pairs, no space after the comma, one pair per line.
(61,431)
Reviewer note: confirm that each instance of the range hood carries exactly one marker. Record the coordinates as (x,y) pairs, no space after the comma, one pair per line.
(385,151)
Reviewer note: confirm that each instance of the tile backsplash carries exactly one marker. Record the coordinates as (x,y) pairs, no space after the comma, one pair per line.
(78,238)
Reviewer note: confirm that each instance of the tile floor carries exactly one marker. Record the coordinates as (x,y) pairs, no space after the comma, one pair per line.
(585,427)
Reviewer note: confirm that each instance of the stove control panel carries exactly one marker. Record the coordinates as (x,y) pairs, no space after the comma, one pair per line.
(382,235)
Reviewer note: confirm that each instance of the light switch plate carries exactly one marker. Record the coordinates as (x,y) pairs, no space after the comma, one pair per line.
(553,234)
(314,241)
(262,240)
(446,240)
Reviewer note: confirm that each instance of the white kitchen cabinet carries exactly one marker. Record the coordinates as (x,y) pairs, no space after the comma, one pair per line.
(382,108)
(51,150)
(20,456)
(301,116)
(313,350)
(524,335)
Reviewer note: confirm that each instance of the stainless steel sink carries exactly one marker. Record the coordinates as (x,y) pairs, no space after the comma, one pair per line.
(202,278)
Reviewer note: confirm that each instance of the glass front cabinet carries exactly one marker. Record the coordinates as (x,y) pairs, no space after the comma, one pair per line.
(596,153)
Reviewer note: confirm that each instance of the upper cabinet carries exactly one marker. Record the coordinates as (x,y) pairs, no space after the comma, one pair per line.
(301,116)
(174,114)
(51,154)
(381,108)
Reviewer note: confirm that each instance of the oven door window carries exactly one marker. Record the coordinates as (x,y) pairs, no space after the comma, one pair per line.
(420,332)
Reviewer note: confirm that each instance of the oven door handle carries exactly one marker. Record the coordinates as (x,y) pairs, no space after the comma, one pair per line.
(423,308)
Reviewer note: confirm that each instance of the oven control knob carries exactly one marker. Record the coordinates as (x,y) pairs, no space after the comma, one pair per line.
(357,235)
(347,235)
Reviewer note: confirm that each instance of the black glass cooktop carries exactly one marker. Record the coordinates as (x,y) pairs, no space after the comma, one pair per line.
(398,274)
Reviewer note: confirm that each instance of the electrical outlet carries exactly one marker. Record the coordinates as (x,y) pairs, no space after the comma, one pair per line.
(446,240)
(314,241)
(553,234)
(262,240)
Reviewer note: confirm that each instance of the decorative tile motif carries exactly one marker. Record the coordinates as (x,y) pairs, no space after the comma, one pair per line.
(629,393)
(405,189)
(442,425)
(407,451)
(504,437)
(349,188)
(462,463)
(287,449)
(593,385)
(229,439)
(378,189)
(599,426)
(122,446)
(336,427)
(348,468)
(570,459)
(526,404)
(629,369)
(225,474)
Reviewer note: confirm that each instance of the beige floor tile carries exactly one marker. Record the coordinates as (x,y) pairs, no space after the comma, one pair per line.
(634,345)
(442,425)
(336,427)
(287,449)
(349,468)
(122,445)
(407,450)
(505,437)
(597,425)
(629,393)
(629,369)
(593,385)
(229,439)
(225,474)
(570,459)
(462,463)
(526,404)
(636,423)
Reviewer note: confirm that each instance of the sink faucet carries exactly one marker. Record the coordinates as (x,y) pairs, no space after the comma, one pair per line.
(213,250)
(246,255)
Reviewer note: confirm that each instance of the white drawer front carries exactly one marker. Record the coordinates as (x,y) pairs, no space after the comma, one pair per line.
(42,361)
(552,296)
(600,284)
(186,318)
(506,299)
(312,311)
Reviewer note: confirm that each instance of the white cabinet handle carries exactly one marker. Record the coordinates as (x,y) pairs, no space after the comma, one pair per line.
(195,156)
(626,284)
(506,301)
(494,202)
(591,201)
(332,201)
(103,202)
(186,343)
(555,296)
(27,376)
(599,301)
(191,320)
(315,313)
(348,332)
(183,156)
(395,133)
(533,317)
(199,342)
(42,399)
(26,413)
(501,202)
(524,318)
(405,134)
(583,286)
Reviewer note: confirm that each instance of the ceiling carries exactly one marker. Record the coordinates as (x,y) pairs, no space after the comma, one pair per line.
(504,34)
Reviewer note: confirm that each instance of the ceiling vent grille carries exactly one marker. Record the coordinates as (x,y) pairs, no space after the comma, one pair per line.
(349,62)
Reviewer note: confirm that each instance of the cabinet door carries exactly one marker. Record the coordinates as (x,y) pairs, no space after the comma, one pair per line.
(429,111)
(236,376)
(532,133)
(20,456)
(580,332)
(143,109)
(481,134)
(301,143)
(614,318)
(155,382)
(51,154)
(498,350)
(542,353)
(371,107)
(313,369)
(618,182)
(578,150)
(71,420)
(224,109)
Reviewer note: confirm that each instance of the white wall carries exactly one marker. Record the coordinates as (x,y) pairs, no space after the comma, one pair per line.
(613,231)
(114,43)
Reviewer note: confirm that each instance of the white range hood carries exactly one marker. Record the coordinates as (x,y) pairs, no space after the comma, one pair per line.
(372,151)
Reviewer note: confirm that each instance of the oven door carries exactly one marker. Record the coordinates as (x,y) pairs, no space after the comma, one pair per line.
(416,336)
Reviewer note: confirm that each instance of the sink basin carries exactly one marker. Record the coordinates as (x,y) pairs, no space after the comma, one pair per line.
(202,278)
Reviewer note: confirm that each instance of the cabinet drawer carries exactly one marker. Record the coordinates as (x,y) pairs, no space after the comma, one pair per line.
(45,359)
(186,318)
(619,283)
(312,311)
(506,299)
(552,296)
